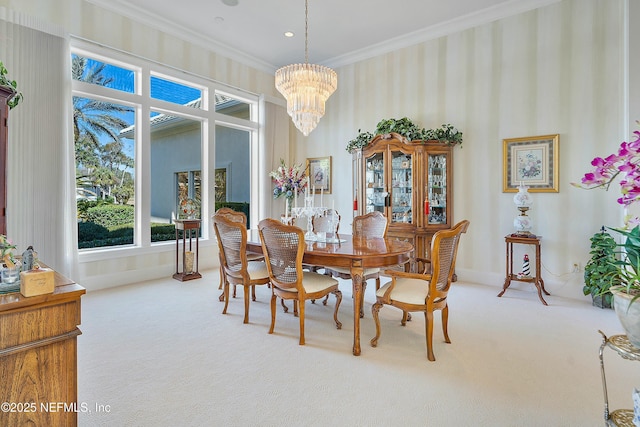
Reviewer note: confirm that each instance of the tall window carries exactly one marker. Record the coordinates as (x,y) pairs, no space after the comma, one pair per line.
(177,131)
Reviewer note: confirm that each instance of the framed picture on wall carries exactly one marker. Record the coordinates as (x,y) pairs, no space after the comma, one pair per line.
(531,161)
(319,170)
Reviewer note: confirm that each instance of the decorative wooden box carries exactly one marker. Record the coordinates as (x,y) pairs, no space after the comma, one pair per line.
(37,282)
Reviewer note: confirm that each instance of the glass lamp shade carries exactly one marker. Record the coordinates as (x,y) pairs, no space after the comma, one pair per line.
(522,224)
(523,197)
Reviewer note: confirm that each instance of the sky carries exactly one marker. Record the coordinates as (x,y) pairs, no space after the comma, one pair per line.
(123,79)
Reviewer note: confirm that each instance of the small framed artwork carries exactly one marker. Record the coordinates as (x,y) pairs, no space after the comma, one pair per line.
(531,161)
(319,174)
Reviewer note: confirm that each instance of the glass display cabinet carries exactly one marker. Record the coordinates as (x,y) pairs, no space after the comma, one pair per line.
(436,201)
(410,182)
(5,95)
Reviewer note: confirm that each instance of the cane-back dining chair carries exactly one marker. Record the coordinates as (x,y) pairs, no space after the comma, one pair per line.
(235,265)
(425,291)
(236,216)
(325,222)
(328,223)
(373,224)
(283,247)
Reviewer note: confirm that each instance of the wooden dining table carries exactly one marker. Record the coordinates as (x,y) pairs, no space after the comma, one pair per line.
(354,253)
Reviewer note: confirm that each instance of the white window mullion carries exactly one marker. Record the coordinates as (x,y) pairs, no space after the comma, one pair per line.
(143,163)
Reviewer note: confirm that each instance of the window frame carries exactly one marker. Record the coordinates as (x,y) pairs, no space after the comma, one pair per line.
(140,99)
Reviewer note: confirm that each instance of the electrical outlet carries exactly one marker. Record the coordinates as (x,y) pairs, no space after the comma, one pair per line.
(576,267)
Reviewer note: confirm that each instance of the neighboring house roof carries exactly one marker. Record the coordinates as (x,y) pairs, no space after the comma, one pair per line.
(165,120)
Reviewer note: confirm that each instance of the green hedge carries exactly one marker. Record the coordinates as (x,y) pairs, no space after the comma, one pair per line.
(92,235)
(112,225)
(110,215)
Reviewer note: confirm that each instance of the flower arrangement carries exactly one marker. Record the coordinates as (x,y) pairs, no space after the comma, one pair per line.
(188,208)
(288,180)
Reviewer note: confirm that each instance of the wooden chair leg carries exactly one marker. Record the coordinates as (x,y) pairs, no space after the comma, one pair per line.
(253,293)
(225,295)
(364,288)
(222,283)
(374,312)
(273,313)
(284,306)
(428,320)
(338,295)
(445,323)
(405,316)
(301,315)
(246,303)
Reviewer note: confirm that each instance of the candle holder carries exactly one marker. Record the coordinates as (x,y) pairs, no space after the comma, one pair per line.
(310,211)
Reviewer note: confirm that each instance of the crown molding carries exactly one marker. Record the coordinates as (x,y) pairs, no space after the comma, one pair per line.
(157,22)
(503,10)
(494,13)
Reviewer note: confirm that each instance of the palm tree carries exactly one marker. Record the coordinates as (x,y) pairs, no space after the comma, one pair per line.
(93,119)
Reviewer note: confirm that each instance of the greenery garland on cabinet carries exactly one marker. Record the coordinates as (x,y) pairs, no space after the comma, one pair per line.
(446,134)
(11,84)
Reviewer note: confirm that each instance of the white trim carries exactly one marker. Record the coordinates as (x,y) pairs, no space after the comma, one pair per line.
(442,29)
(146,17)
(499,11)
(144,104)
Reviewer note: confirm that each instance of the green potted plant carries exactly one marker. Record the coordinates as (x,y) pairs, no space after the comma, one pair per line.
(5,81)
(626,294)
(623,166)
(601,271)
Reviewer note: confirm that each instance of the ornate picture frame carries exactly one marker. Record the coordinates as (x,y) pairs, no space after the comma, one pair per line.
(319,172)
(531,161)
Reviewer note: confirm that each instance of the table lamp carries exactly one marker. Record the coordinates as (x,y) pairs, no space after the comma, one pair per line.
(523,201)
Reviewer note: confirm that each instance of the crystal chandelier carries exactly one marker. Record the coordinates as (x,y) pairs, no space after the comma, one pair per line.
(306,87)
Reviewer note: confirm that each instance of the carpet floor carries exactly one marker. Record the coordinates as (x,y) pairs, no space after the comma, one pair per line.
(160,353)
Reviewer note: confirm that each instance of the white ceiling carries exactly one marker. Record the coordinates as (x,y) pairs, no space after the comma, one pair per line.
(340,31)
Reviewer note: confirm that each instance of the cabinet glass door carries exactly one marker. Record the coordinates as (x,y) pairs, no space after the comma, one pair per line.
(375,184)
(401,187)
(437,189)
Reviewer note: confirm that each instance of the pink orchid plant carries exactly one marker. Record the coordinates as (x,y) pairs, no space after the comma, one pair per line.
(624,164)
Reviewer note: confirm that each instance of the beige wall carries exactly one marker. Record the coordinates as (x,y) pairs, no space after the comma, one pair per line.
(553,70)
(558,69)
(83,19)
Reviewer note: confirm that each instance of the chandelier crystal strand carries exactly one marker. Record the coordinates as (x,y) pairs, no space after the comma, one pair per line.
(306,87)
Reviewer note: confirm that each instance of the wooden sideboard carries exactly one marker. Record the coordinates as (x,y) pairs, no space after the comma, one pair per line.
(38,356)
